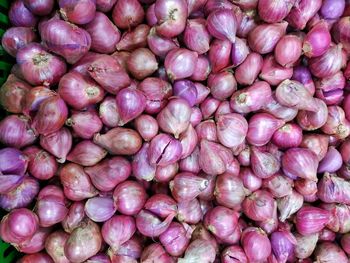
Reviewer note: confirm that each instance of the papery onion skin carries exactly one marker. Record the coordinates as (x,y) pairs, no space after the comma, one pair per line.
(54,246)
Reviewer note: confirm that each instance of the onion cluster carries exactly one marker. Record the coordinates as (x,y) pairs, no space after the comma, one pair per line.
(177,131)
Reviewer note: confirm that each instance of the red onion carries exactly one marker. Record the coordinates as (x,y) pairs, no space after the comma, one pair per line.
(149,225)
(345,243)
(288,136)
(121,141)
(129,197)
(15,131)
(229,190)
(256,244)
(213,157)
(164,150)
(274,73)
(161,205)
(106,71)
(190,163)
(303,75)
(288,205)
(331,162)
(222,24)
(263,164)
(329,63)
(188,140)
(34,98)
(231,129)
(104,34)
(175,117)
(282,243)
(209,106)
(39,7)
(13,94)
(16,38)
(105,5)
(107,174)
(151,18)
(333,189)
(207,130)
(118,230)
(84,242)
(86,153)
(336,123)
(75,215)
(196,36)
(291,43)
(65,39)
(19,225)
(300,162)
(108,112)
(134,39)
(272,12)
(38,66)
(175,239)
(247,72)
(239,52)
(159,45)
(341,32)
(36,243)
(252,98)
(332,9)
(180,62)
(305,245)
(187,186)
(273,107)
(142,63)
(221,221)
(302,12)
(141,166)
(340,217)
(127,14)
(171,15)
(219,54)
(42,165)
(78,12)
(36,257)
(85,123)
(264,37)
(310,220)
(19,15)
(13,161)
(261,128)
(249,179)
(21,196)
(317,40)
(100,209)
(329,252)
(76,183)
(57,143)
(54,246)
(279,185)
(131,248)
(309,120)
(186,90)
(79,91)
(199,250)
(189,212)
(156,253)
(259,206)
(327,235)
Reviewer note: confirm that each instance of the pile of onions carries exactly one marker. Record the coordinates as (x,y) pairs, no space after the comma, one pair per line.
(177,131)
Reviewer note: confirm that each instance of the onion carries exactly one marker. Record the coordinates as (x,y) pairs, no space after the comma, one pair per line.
(100,209)
(127,14)
(20,15)
(75,215)
(222,24)
(134,39)
(219,54)
(180,63)
(17,37)
(39,7)
(84,242)
(65,39)
(78,12)
(256,244)
(34,98)
(104,34)
(142,63)
(54,246)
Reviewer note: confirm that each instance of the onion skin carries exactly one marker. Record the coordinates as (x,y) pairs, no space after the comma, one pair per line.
(310,220)
(254,63)
(105,5)
(134,39)
(256,244)
(84,242)
(39,7)
(219,54)
(175,239)
(301,13)
(180,63)
(199,249)
(85,123)
(34,98)
(72,48)
(312,46)
(75,215)
(104,34)
(222,24)
(196,29)
(142,63)
(36,257)
(327,251)
(54,246)
(156,252)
